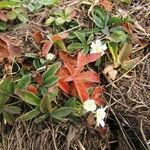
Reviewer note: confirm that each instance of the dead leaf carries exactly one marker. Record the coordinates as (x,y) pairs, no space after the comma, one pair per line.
(128,28)
(3,17)
(113,74)
(90,120)
(110,72)
(38,37)
(106,4)
(7,49)
(46,47)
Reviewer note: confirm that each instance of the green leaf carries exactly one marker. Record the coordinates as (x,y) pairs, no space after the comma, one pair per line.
(24,82)
(68,11)
(23,17)
(49,21)
(129,64)
(117,20)
(3,26)
(118,36)
(6,89)
(45,104)
(75,46)
(6,4)
(41,118)
(49,2)
(81,37)
(51,70)
(8,118)
(12,15)
(28,97)
(90,39)
(71,102)
(12,109)
(29,115)
(59,21)
(51,81)
(124,52)
(113,48)
(61,112)
(31,7)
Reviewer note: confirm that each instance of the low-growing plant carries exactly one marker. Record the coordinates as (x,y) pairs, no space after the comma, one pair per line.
(74,79)
(8,107)
(61,16)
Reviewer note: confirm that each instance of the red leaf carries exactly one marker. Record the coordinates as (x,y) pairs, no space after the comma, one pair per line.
(67,58)
(46,47)
(38,36)
(38,79)
(32,88)
(89,76)
(106,4)
(56,38)
(97,96)
(81,62)
(70,68)
(82,90)
(7,49)
(63,73)
(3,17)
(92,57)
(64,86)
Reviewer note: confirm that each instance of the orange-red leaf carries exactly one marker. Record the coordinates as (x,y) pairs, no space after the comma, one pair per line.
(64,86)
(67,58)
(70,68)
(97,95)
(89,76)
(56,38)
(92,57)
(46,47)
(81,62)
(106,4)
(32,88)
(38,36)
(82,90)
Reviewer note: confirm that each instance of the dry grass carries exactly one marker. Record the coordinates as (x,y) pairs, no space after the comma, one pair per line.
(129,101)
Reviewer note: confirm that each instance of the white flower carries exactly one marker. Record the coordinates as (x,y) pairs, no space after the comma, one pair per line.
(100,116)
(98,47)
(50,56)
(89,105)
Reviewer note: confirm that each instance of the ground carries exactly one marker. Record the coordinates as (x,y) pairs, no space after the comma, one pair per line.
(128,120)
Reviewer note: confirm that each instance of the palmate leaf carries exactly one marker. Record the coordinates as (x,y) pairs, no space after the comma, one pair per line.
(61,112)
(28,97)
(81,80)
(29,115)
